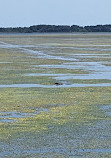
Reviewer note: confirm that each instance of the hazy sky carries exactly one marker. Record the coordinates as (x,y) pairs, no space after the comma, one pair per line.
(57,12)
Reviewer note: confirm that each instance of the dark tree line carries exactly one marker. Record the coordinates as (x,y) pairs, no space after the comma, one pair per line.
(57,28)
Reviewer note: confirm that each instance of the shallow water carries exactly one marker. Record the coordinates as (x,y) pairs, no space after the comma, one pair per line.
(103,75)
(39,54)
(12,116)
(89,66)
(106,109)
(75,152)
(55,86)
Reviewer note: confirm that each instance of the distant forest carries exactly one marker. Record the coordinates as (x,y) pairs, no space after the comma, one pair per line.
(57,28)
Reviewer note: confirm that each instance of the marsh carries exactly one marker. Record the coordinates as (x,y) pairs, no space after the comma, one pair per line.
(55,95)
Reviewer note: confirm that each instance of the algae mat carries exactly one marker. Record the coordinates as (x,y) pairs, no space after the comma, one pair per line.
(55,95)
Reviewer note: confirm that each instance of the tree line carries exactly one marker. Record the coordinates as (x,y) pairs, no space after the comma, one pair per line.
(56,28)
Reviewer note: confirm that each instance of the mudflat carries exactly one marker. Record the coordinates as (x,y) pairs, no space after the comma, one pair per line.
(55,95)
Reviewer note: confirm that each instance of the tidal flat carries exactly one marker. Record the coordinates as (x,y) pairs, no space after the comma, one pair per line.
(55,95)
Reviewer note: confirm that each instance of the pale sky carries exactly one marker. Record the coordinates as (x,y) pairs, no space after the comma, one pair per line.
(14,13)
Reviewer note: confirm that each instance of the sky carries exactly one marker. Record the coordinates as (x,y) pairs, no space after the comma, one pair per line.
(15,13)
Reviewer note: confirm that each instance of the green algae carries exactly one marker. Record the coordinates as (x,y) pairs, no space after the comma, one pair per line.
(80,105)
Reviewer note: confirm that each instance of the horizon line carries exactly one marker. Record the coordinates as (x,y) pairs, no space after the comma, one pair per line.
(52,25)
